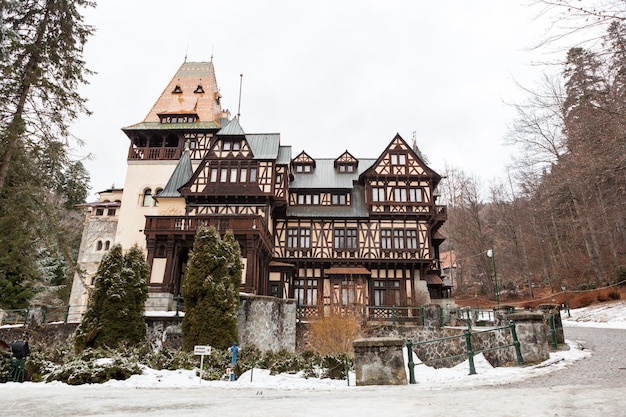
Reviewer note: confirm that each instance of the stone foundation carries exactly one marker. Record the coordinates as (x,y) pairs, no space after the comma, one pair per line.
(379,361)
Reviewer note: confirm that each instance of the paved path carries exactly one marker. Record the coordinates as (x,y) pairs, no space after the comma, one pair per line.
(605,368)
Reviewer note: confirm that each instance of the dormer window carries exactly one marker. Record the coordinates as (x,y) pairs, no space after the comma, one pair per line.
(343,167)
(346,163)
(177,90)
(303,163)
(199,89)
(179,118)
(300,168)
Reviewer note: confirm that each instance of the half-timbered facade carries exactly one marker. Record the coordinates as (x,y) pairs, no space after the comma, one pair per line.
(337,233)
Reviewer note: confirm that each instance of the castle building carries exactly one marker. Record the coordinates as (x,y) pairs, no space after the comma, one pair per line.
(339,233)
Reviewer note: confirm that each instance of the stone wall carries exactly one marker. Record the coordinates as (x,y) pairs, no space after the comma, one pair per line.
(52,336)
(268,322)
(454,344)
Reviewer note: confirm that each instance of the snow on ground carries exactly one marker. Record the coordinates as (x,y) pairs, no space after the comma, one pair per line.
(438,392)
(609,315)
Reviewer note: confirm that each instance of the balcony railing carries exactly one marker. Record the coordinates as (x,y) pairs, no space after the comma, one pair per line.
(154,153)
(189,225)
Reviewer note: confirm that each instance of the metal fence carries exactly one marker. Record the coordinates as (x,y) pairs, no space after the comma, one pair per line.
(469,352)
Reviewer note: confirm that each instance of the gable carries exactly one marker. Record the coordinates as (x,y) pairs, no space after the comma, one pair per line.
(399,159)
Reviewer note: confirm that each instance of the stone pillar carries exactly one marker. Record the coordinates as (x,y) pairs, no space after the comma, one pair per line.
(379,361)
(432,316)
(532,335)
(501,315)
(546,310)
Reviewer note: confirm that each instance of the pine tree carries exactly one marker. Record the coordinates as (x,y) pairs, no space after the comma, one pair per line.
(41,45)
(114,316)
(211,291)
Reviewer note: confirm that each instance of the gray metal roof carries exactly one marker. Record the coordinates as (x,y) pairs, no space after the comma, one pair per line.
(182,173)
(356,210)
(232,128)
(264,145)
(284,155)
(325,176)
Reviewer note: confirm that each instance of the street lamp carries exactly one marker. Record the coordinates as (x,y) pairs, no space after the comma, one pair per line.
(491,254)
(564,288)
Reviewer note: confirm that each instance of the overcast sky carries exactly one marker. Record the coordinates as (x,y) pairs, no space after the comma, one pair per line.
(329,76)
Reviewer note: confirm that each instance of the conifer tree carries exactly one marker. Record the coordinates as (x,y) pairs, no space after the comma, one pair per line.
(114,316)
(211,291)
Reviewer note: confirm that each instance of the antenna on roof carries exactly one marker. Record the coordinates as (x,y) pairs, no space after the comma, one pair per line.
(186,51)
(239,105)
(212,47)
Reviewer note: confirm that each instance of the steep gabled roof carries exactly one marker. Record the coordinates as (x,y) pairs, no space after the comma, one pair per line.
(182,173)
(233,128)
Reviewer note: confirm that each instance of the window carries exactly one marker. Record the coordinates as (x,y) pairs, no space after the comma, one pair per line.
(304,167)
(233,175)
(398,159)
(156,193)
(252,174)
(213,174)
(243,175)
(107,245)
(385,239)
(147,197)
(298,238)
(398,239)
(378,194)
(338,199)
(223,175)
(99,212)
(402,239)
(411,239)
(399,195)
(99,245)
(308,199)
(111,212)
(345,239)
(229,145)
(415,195)
(346,167)
(305,291)
(279,179)
(387,293)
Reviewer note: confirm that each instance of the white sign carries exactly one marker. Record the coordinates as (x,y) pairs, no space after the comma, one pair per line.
(202,350)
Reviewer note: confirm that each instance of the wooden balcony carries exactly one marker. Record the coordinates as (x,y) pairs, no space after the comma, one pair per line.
(188,225)
(163,153)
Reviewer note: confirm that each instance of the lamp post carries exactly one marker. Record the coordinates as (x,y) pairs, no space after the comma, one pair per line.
(564,288)
(491,254)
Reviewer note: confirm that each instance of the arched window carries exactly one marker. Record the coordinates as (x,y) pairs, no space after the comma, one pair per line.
(99,245)
(156,193)
(147,197)
(107,245)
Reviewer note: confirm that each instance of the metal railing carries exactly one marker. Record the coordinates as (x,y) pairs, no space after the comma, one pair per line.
(469,352)
(40,315)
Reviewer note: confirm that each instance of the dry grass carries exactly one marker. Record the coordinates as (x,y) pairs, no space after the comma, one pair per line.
(333,335)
